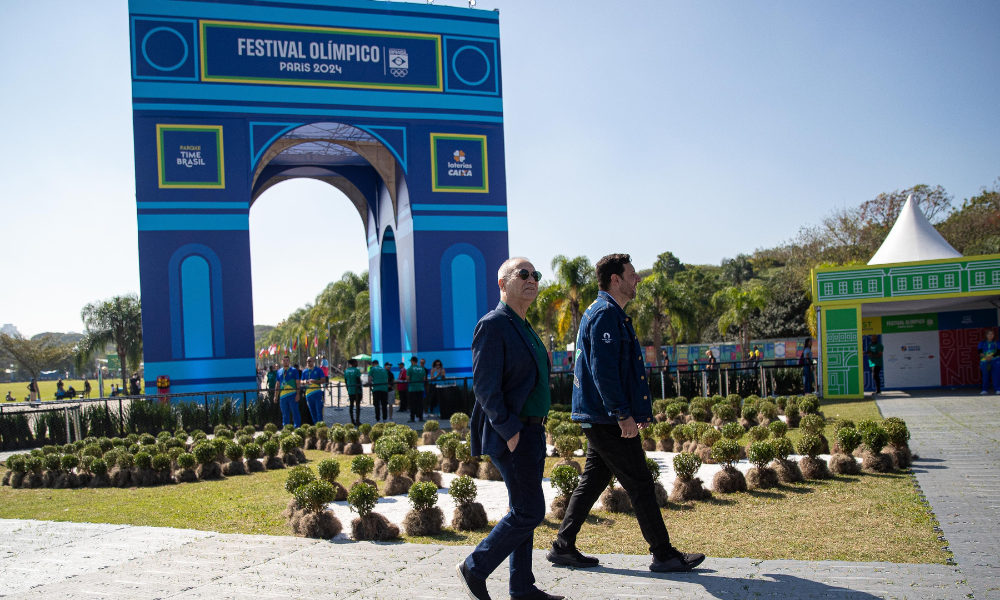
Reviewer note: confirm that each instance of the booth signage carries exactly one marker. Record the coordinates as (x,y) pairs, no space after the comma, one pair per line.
(459,163)
(237,52)
(190,156)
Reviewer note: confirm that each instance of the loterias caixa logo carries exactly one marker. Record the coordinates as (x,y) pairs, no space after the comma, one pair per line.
(459,163)
(190,156)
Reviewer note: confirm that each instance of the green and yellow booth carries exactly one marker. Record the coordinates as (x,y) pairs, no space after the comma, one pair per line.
(924,302)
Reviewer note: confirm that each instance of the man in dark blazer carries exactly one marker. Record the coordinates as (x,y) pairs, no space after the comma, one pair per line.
(510,372)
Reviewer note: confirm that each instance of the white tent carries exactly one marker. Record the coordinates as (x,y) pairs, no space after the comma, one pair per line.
(913,238)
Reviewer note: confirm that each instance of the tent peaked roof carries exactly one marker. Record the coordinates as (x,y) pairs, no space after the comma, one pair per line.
(913,238)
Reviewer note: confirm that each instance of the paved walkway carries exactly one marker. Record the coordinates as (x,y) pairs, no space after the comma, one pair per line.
(75,560)
(958,439)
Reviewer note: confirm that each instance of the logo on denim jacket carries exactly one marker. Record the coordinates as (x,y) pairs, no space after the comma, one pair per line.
(607,337)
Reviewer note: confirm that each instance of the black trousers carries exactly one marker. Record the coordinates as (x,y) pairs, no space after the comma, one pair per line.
(403,399)
(609,454)
(355,407)
(876,377)
(381,402)
(416,405)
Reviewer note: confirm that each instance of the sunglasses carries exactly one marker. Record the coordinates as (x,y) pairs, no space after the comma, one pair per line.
(524,274)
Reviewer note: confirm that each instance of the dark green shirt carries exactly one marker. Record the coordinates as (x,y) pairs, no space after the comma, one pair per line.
(540,399)
(875,361)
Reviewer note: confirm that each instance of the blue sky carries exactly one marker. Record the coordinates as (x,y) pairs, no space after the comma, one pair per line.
(703,128)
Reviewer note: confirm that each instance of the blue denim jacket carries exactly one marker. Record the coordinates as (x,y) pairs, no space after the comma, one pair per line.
(609,381)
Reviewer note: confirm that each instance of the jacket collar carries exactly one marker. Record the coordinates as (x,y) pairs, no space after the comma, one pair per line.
(610,300)
(510,314)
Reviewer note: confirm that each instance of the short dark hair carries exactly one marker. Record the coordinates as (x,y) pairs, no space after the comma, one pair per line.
(352,362)
(374,362)
(612,264)
(413,359)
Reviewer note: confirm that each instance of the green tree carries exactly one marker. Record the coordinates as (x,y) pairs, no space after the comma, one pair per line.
(668,264)
(115,322)
(974,228)
(575,288)
(737,271)
(661,303)
(739,304)
(41,353)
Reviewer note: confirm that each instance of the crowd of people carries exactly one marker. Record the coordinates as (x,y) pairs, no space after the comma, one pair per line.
(302,392)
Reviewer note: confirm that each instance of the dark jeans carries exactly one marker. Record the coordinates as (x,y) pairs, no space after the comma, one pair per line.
(876,372)
(514,534)
(416,405)
(609,454)
(381,402)
(355,407)
(403,397)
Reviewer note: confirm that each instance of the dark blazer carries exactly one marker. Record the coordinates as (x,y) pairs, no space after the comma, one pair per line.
(504,372)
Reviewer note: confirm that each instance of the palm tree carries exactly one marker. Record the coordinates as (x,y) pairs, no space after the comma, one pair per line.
(118,322)
(575,287)
(739,303)
(659,303)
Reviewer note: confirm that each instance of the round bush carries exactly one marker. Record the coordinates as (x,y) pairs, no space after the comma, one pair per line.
(700,414)
(662,431)
(251,430)
(778,428)
(726,452)
(204,452)
(298,477)
(673,411)
(86,461)
(187,461)
(759,433)
(329,470)
(271,428)
(99,467)
(160,462)
(431,425)
(565,479)
(298,440)
(427,461)
(365,428)
(809,445)
(271,448)
(132,438)
(15,462)
(459,420)
(68,449)
(710,436)
(377,431)
(781,401)
(223,431)
(566,445)
(143,460)
(897,432)
(463,489)
(111,457)
(52,462)
(352,436)
(768,410)
(680,433)
(447,443)
(760,453)
(812,424)
(783,447)
(243,439)
(289,444)
(362,465)
(792,411)
(69,462)
(174,443)
(849,439)
(339,435)
(875,438)
(134,448)
(733,431)
(398,464)
(686,464)
(362,498)
(809,404)
(147,439)
(654,468)
(724,411)
(311,431)
(842,423)
(389,445)
(234,451)
(33,464)
(323,433)
(251,451)
(105,444)
(463,452)
(220,444)
(749,412)
(93,450)
(315,495)
(126,460)
(422,495)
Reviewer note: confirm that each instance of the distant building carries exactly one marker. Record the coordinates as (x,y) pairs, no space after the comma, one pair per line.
(9,329)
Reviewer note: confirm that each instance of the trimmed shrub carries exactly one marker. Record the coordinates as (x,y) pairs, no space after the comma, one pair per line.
(69,462)
(758,433)
(700,414)
(463,490)
(126,460)
(251,451)
(809,404)
(271,448)
(144,460)
(427,461)
(710,437)
(431,426)
(760,453)
(289,444)
(726,452)
(298,477)
(767,411)
(565,479)
(654,469)
(875,438)
(809,445)
(234,451)
(329,470)
(422,495)
(389,445)
(733,431)
(812,425)
(314,495)
(778,428)
(99,467)
(686,464)
(398,464)
(185,461)
(849,439)
(724,411)
(783,448)
(204,452)
(896,431)
(566,445)
(362,466)
(160,463)
(459,420)
(362,498)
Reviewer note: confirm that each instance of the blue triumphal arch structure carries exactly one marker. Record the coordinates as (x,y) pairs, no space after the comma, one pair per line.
(396,105)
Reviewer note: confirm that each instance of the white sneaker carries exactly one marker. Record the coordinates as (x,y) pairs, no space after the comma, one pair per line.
(983,393)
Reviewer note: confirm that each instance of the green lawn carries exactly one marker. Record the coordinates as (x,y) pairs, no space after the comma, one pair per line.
(48,388)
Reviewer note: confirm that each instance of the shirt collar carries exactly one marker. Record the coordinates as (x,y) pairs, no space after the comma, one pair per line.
(610,299)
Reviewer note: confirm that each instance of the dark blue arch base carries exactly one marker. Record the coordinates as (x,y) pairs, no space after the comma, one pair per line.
(208,102)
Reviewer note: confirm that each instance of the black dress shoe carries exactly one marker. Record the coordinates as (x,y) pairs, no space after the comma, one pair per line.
(570,558)
(677,563)
(474,586)
(538,595)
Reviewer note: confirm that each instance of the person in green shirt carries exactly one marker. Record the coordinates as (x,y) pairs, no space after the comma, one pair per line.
(874,355)
(416,376)
(352,378)
(272,382)
(379,378)
(540,398)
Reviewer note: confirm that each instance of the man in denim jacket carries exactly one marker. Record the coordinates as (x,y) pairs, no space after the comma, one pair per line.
(611,398)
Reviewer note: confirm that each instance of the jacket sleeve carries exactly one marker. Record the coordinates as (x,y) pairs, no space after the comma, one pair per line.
(605,349)
(487,378)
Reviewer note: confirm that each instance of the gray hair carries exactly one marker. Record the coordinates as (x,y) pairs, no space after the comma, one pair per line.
(509,266)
